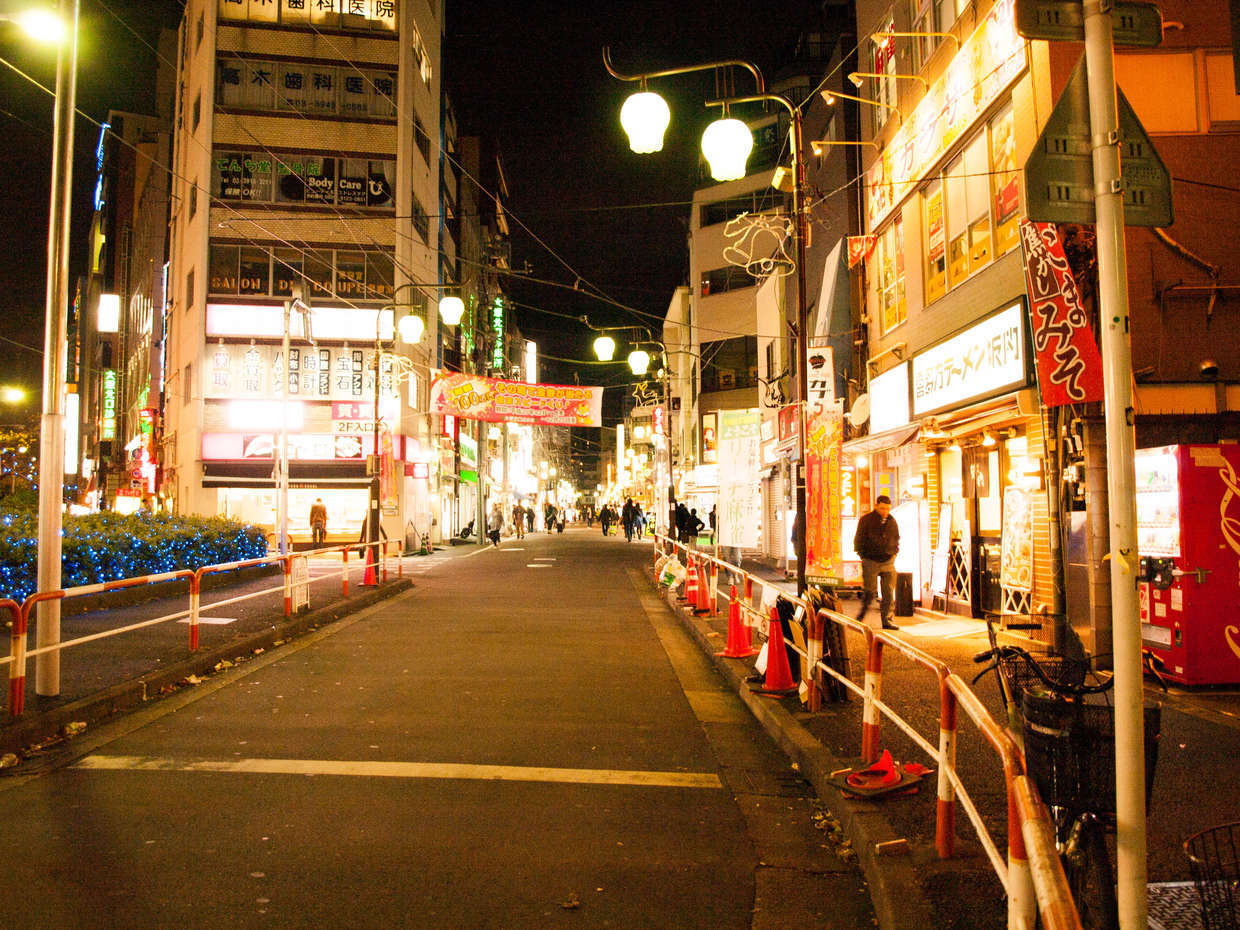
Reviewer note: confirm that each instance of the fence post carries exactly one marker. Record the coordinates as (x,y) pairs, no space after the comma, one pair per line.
(345,574)
(945,813)
(17,668)
(383,555)
(1022,897)
(873,692)
(288,585)
(814,628)
(195,607)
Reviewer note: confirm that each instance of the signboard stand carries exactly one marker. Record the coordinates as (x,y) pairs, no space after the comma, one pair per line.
(301,583)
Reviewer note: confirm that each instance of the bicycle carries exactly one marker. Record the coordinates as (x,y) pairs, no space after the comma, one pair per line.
(1065,740)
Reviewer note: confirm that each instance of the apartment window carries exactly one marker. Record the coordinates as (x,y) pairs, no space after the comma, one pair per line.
(187,389)
(972,213)
(421,222)
(1005,180)
(892,305)
(947,12)
(422,138)
(301,87)
(729,364)
(725,279)
(193,199)
(255,271)
(883,61)
(721,211)
(196,118)
(189,290)
(936,247)
(285,271)
(922,19)
(200,30)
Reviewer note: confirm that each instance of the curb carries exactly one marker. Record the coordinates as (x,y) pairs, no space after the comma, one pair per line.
(34,727)
(891,878)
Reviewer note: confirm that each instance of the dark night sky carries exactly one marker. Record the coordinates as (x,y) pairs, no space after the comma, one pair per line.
(527,74)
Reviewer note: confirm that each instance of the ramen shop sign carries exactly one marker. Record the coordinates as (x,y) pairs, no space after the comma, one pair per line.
(984,360)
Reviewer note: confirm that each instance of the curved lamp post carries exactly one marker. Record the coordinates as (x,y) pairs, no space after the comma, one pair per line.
(797,143)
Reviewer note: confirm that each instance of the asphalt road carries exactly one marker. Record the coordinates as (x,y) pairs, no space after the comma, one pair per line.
(528,739)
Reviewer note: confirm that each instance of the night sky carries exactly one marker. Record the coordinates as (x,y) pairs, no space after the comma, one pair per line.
(527,74)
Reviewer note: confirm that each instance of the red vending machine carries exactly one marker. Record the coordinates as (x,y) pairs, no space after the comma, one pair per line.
(1188,530)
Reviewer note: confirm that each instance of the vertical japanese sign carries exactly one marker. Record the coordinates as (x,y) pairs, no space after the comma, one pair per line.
(1069,364)
(740,461)
(824,439)
(388,490)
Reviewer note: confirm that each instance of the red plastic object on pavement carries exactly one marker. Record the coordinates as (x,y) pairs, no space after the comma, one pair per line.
(739,646)
(368,577)
(778,673)
(702,604)
(691,583)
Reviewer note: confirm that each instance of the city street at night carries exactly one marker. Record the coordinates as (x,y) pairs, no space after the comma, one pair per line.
(527,738)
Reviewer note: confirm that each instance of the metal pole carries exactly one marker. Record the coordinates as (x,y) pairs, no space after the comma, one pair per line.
(55,338)
(1121,481)
(798,193)
(282,453)
(372,525)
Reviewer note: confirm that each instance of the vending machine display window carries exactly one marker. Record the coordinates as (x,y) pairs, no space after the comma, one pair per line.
(1158,502)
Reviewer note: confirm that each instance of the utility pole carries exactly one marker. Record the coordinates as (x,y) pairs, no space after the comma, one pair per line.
(1121,478)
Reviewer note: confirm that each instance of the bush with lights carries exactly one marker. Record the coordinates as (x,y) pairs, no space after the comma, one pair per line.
(108,547)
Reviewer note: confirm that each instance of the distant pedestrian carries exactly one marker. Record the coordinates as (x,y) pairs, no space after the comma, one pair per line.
(529,519)
(694,524)
(626,519)
(877,541)
(604,518)
(318,522)
(518,519)
(639,521)
(495,524)
(682,522)
(713,519)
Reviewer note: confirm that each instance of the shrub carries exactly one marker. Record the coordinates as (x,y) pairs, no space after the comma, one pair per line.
(108,547)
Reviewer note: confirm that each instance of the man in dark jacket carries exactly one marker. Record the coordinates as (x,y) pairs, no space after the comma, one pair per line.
(877,541)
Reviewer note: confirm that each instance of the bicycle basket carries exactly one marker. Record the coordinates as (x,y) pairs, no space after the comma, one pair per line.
(1214,856)
(1021,677)
(1070,753)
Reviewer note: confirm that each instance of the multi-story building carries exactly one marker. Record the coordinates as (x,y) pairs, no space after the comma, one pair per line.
(117,354)
(306,164)
(955,111)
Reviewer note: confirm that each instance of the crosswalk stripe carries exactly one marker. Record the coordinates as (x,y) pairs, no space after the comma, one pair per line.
(439,770)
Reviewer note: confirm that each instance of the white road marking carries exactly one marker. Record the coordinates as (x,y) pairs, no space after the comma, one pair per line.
(536,565)
(212,621)
(543,558)
(440,770)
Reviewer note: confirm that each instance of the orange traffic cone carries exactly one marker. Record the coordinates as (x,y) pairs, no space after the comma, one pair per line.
(778,673)
(690,593)
(368,577)
(702,604)
(739,646)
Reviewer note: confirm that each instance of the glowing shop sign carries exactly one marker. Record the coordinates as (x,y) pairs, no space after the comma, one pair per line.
(107,425)
(984,360)
(497,322)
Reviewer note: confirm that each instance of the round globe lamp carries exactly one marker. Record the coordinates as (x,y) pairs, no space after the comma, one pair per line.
(411,328)
(644,117)
(726,145)
(604,348)
(451,309)
(639,361)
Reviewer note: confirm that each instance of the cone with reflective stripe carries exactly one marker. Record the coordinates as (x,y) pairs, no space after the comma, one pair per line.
(690,593)
(702,604)
(739,646)
(368,577)
(778,673)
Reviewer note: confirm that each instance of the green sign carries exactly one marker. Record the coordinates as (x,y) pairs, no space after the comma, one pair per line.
(1059,175)
(107,426)
(497,323)
(1132,23)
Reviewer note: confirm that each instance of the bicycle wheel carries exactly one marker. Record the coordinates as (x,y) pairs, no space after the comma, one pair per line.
(1087,866)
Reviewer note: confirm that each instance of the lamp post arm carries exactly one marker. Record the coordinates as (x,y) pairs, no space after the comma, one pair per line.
(687,69)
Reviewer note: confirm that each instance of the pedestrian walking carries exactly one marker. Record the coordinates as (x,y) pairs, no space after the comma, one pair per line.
(529,519)
(626,519)
(518,519)
(318,522)
(682,522)
(495,524)
(639,521)
(877,541)
(713,519)
(604,518)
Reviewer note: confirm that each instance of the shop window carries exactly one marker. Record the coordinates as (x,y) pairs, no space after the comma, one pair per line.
(383,94)
(318,269)
(293,83)
(380,272)
(285,271)
(351,275)
(1005,180)
(936,246)
(222,270)
(967,201)
(255,271)
(893,307)
(947,12)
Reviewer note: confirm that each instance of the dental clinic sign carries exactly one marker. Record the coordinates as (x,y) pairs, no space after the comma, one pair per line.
(986,359)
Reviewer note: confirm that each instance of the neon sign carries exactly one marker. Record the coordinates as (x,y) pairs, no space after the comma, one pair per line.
(108,422)
(497,322)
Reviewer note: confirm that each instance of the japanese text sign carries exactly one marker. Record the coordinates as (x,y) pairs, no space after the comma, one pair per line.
(472,397)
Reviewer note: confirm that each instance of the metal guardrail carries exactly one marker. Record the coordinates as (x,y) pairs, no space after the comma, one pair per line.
(1032,874)
(20,654)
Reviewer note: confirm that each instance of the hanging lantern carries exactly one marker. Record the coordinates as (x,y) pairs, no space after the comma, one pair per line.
(726,145)
(451,309)
(604,348)
(639,361)
(411,328)
(644,117)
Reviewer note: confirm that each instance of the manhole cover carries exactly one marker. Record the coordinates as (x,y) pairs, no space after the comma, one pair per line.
(1174,906)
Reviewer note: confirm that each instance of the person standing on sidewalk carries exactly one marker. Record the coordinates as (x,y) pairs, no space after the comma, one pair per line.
(877,541)
(318,522)
(626,519)
(518,519)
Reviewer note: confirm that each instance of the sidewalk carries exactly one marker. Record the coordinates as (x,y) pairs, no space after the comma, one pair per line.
(1195,784)
(107,675)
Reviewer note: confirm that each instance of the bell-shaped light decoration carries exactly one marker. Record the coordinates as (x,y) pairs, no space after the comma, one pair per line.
(451,309)
(604,348)
(411,328)
(385,327)
(639,361)
(726,145)
(43,25)
(644,117)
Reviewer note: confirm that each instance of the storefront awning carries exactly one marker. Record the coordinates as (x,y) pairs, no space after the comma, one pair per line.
(880,442)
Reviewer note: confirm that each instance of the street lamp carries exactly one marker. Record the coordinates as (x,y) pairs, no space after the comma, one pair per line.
(639,361)
(726,143)
(797,142)
(604,348)
(644,117)
(52,426)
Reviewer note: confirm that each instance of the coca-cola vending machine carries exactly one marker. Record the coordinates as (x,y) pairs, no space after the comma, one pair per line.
(1188,531)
